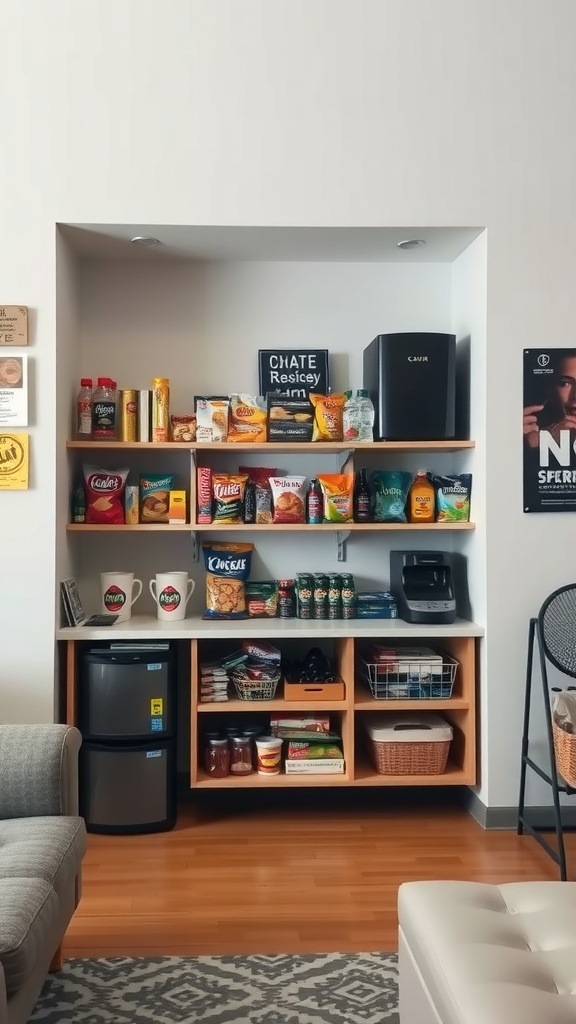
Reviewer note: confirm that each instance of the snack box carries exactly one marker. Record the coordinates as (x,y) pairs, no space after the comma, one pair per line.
(300,723)
(324,767)
(314,750)
(376,604)
(177,507)
(289,419)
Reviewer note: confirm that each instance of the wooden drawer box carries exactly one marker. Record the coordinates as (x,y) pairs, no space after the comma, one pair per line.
(314,691)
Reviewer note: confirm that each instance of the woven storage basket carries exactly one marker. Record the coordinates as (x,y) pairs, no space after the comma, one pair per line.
(565,750)
(414,756)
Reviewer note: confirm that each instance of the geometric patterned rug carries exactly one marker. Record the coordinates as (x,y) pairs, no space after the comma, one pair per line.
(333,988)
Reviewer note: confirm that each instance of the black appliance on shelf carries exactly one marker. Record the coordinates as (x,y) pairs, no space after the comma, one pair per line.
(127,715)
(411,379)
(423,584)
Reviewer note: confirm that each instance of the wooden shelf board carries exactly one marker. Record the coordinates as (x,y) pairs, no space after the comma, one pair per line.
(126,527)
(364,775)
(278,704)
(325,527)
(256,781)
(267,527)
(333,447)
(364,702)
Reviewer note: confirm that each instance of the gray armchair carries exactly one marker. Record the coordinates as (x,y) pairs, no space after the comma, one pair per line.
(42,843)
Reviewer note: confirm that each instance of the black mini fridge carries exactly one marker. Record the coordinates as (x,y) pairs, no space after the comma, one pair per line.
(127,713)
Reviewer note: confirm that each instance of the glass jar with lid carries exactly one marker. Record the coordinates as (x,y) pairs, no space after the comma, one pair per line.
(240,755)
(216,757)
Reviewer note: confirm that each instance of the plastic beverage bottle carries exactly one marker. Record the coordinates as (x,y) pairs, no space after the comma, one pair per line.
(362,504)
(350,419)
(104,410)
(84,410)
(421,500)
(314,503)
(364,415)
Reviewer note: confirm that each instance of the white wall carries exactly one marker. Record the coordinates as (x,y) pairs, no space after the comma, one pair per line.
(299,112)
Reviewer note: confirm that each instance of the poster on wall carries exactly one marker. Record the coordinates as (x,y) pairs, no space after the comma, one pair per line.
(13,391)
(293,371)
(14,449)
(549,430)
(13,325)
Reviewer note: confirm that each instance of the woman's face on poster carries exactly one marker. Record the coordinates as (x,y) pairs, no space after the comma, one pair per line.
(563,387)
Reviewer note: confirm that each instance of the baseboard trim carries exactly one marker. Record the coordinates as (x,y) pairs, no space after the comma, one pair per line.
(507,817)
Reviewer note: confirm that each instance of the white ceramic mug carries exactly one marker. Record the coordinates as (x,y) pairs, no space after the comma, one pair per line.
(117,589)
(171,592)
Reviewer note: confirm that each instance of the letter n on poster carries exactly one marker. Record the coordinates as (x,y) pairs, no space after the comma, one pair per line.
(549,430)
(14,459)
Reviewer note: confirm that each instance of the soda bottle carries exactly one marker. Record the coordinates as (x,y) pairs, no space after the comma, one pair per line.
(364,415)
(84,410)
(104,409)
(362,504)
(314,503)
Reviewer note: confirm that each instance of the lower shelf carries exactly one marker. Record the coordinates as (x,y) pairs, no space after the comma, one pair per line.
(364,775)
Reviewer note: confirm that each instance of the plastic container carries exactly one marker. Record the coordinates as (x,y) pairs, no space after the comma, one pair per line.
(408,744)
(269,755)
(104,411)
(421,500)
(358,417)
(84,410)
(216,757)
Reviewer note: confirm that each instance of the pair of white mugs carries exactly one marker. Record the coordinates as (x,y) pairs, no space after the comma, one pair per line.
(170,590)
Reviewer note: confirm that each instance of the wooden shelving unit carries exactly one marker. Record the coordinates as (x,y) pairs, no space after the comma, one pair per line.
(267,527)
(331,447)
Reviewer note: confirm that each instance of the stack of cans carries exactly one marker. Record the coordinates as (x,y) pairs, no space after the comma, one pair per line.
(325,595)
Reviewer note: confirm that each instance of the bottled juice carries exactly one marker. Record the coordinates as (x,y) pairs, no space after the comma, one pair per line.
(421,500)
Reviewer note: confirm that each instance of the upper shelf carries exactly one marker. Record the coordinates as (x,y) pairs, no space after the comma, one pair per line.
(276,446)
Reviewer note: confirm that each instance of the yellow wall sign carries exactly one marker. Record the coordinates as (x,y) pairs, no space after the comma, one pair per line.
(156,706)
(14,462)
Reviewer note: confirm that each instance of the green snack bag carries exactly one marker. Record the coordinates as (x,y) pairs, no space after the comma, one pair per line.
(390,489)
(452,497)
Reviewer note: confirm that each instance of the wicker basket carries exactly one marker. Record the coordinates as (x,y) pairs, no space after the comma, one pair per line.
(415,756)
(565,751)
(409,758)
(255,689)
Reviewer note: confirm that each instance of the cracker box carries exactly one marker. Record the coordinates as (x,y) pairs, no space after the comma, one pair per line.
(177,508)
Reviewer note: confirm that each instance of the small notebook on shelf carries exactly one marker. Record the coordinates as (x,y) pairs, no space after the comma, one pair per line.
(74,612)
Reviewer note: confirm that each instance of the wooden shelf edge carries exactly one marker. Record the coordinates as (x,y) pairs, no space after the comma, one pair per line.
(454,775)
(278,704)
(256,781)
(277,446)
(127,527)
(265,527)
(450,704)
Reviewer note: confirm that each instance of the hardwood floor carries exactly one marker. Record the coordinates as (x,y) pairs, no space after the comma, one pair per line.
(284,872)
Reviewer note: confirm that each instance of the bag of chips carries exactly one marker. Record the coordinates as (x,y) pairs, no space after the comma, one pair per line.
(338,491)
(212,418)
(228,491)
(155,497)
(104,495)
(227,568)
(260,477)
(390,489)
(248,417)
(328,417)
(452,497)
(289,497)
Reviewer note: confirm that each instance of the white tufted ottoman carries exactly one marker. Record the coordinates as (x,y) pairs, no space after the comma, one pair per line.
(471,953)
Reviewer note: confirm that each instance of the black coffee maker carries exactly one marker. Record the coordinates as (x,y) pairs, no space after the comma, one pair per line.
(423,584)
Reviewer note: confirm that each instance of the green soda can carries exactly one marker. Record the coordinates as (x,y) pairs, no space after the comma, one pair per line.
(334,596)
(305,595)
(348,596)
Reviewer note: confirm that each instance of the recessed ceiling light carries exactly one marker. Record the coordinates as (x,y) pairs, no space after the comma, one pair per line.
(145,240)
(410,243)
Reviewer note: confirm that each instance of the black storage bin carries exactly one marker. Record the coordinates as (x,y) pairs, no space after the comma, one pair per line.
(127,714)
(128,789)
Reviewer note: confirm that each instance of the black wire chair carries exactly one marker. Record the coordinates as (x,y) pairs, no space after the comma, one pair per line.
(554,630)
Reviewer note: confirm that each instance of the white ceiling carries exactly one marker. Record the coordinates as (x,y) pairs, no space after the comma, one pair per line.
(305,244)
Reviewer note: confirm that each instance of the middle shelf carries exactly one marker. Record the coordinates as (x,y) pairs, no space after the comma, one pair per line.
(266,527)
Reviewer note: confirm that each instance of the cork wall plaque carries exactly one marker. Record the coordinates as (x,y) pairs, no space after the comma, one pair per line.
(13,325)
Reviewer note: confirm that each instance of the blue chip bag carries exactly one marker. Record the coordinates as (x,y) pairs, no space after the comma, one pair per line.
(390,490)
(227,567)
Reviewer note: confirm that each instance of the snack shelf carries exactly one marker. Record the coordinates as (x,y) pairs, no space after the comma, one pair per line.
(277,704)
(304,447)
(267,527)
(256,781)
(454,775)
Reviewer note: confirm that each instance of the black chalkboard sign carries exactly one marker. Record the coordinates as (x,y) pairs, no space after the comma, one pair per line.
(293,371)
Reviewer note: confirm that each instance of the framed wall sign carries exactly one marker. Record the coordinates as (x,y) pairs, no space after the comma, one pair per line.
(13,325)
(549,430)
(293,371)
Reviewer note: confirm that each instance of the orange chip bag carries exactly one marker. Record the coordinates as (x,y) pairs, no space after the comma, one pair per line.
(248,417)
(328,417)
(104,495)
(338,491)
